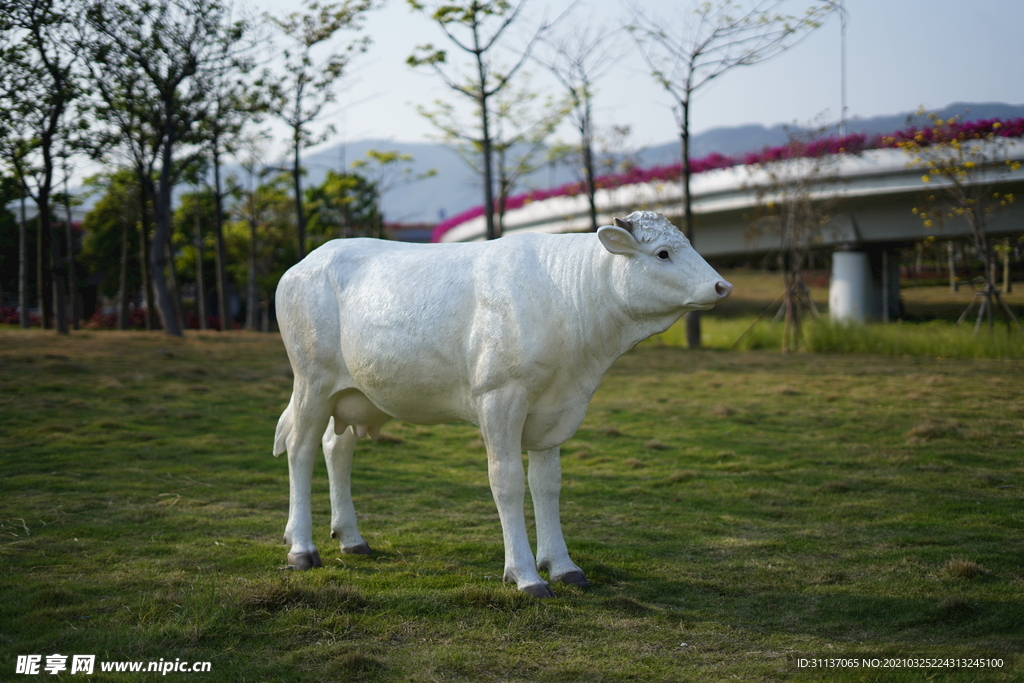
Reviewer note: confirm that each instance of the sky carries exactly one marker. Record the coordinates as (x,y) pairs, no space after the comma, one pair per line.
(901,55)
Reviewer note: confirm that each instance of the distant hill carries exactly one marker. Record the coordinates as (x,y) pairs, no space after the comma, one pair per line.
(740,139)
(455,188)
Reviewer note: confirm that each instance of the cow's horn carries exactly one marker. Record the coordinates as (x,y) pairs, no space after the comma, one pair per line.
(624,224)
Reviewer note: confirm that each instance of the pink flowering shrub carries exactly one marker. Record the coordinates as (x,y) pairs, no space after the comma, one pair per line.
(9,316)
(108,321)
(848,144)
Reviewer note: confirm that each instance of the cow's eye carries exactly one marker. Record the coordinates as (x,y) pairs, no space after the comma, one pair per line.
(663,255)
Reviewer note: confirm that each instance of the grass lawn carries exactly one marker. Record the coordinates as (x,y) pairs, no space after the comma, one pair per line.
(735,512)
(757,289)
(928,330)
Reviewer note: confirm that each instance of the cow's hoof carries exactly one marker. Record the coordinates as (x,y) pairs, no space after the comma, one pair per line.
(304,561)
(361,549)
(538,590)
(574,579)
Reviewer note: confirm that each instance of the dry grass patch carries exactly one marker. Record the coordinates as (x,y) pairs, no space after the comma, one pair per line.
(385,437)
(930,429)
(960,568)
(275,596)
(953,604)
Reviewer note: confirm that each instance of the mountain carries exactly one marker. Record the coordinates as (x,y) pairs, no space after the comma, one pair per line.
(739,139)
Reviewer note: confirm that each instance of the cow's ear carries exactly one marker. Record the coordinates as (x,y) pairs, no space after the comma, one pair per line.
(617,240)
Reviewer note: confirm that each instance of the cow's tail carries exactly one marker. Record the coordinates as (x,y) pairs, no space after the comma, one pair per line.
(285,424)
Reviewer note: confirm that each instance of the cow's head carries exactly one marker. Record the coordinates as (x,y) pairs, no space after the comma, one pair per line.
(661,269)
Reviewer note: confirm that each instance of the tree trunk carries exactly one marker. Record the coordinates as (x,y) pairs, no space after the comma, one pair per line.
(158,254)
(218,226)
(147,283)
(122,280)
(588,166)
(251,294)
(951,263)
(200,279)
(72,281)
(172,277)
(43,292)
(56,270)
(492,231)
(693,317)
(300,218)
(885,286)
(485,130)
(1007,285)
(503,188)
(23,268)
(588,163)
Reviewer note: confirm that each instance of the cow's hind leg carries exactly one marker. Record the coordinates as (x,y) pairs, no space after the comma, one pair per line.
(545,487)
(338,449)
(310,414)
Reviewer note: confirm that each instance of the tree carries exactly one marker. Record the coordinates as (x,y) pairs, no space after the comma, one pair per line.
(197,209)
(965,164)
(344,205)
(299,97)
(12,264)
(232,105)
(177,48)
(385,171)
(577,58)
(797,197)
(723,35)
(13,187)
(260,242)
(111,235)
(475,28)
(256,203)
(521,136)
(67,201)
(42,81)
(129,131)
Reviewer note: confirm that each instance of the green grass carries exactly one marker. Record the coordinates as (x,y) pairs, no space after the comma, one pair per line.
(757,507)
(936,338)
(929,330)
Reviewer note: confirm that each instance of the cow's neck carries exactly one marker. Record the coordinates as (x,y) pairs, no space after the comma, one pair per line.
(598,317)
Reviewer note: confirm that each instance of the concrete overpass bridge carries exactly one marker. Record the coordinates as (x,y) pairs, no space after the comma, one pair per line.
(874,194)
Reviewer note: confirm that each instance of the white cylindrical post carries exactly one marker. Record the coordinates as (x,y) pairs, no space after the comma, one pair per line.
(848,293)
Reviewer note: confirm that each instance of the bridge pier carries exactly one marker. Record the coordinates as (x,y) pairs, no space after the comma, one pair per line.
(865,284)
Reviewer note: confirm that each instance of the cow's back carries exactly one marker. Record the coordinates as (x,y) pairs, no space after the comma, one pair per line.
(389,319)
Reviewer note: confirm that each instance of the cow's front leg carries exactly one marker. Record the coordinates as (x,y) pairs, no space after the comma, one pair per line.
(502,414)
(338,449)
(309,419)
(545,486)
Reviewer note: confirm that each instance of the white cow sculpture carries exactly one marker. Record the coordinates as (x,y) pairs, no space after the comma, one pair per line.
(512,335)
